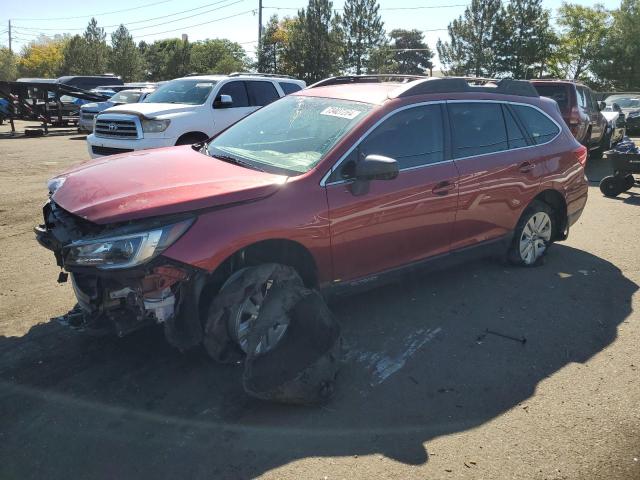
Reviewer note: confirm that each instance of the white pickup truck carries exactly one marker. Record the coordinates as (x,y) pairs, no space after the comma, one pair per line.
(185,111)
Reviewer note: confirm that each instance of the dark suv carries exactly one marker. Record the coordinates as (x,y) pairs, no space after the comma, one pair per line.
(580,111)
(345,183)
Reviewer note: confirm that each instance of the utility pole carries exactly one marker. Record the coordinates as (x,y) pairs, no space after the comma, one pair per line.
(259,30)
(10,51)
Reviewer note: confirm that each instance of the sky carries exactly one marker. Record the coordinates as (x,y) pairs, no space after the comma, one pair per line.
(236,20)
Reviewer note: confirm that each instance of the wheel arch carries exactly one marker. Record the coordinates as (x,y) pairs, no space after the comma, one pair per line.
(558,204)
(196,135)
(276,250)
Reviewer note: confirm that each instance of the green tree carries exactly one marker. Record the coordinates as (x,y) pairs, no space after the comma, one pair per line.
(274,37)
(381,60)
(96,55)
(125,59)
(314,45)
(470,49)
(42,58)
(410,55)
(582,35)
(363,32)
(523,38)
(8,68)
(217,56)
(168,59)
(73,61)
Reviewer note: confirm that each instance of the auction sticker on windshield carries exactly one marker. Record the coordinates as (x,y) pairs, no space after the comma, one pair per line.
(340,112)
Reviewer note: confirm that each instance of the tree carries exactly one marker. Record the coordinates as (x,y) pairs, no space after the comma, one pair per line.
(8,69)
(522,39)
(582,35)
(410,55)
(363,32)
(314,45)
(381,60)
(168,59)
(274,38)
(73,61)
(217,56)
(470,50)
(96,56)
(125,59)
(41,59)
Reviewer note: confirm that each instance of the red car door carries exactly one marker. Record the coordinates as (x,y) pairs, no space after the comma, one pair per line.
(397,221)
(498,177)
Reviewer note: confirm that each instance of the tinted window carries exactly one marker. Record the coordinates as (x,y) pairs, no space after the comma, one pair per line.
(288,88)
(413,137)
(238,93)
(559,93)
(261,93)
(540,127)
(514,135)
(477,128)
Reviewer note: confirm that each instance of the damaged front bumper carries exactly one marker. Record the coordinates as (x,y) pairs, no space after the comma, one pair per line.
(123,300)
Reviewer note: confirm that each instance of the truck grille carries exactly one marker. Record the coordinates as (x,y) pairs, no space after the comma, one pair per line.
(116,128)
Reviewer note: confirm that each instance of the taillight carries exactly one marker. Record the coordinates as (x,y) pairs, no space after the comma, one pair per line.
(581,155)
(574,121)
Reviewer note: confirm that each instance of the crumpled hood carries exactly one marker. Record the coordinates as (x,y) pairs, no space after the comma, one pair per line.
(163,181)
(152,110)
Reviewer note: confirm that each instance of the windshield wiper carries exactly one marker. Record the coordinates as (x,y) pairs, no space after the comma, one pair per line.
(237,161)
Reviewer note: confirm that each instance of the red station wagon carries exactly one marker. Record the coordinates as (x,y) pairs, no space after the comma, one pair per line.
(347,182)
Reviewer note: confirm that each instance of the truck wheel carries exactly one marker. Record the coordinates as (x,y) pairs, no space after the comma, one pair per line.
(533,235)
(612,186)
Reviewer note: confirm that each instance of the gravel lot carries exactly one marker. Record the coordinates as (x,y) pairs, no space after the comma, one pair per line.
(419,397)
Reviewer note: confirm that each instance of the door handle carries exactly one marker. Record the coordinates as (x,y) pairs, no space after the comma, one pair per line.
(526,167)
(443,188)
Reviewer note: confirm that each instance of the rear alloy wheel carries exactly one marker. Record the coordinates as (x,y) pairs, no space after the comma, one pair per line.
(533,235)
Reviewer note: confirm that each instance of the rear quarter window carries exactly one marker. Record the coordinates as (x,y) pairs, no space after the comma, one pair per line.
(540,127)
(261,93)
(288,87)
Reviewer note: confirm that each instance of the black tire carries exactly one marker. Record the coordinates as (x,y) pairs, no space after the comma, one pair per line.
(629,182)
(514,254)
(612,186)
(191,138)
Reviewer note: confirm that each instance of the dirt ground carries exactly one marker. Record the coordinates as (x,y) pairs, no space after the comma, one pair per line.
(423,395)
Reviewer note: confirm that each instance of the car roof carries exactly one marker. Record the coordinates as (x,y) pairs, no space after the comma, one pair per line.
(375,93)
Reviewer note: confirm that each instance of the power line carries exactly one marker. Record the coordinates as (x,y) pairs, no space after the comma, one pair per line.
(197,24)
(38,29)
(386,9)
(96,14)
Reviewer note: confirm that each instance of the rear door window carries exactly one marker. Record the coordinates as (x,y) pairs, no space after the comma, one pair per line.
(413,137)
(582,98)
(514,135)
(238,93)
(288,87)
(541,128)
(477,128)
(261,93)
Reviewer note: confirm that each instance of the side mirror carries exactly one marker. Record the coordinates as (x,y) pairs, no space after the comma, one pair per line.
(373,167)
(376,167)
(223,101)
(602,105)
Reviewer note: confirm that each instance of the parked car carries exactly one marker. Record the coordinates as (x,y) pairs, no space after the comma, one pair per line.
(629,105)
(89,110)
(185,111)
(347,183)
(616,122)
(580,111)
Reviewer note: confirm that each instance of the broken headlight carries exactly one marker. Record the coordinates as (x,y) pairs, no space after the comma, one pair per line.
(123,251)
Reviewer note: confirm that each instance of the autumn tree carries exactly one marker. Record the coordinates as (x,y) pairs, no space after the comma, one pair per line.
(42,58)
